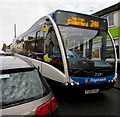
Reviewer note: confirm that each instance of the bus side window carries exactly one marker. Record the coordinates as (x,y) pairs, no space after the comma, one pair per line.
(39,42)
(51,47)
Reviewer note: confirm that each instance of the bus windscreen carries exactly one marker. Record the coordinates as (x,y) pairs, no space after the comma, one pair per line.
(82,20)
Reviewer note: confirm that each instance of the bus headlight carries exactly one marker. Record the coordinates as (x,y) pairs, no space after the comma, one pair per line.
(77,83)
(112,81)
(72,83)
(66,83)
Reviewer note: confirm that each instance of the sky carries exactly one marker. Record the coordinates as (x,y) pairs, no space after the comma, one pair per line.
(24,13)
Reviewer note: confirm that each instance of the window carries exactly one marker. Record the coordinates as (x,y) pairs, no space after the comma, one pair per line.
(51,47)
(47,45)
(110,19)
(40,42)
(22,86)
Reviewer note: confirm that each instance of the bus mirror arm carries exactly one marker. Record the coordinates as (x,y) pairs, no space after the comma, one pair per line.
(38,68)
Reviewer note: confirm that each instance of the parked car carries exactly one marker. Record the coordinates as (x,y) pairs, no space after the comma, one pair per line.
(2,53)
(9,52)
(23,89)
(36,55)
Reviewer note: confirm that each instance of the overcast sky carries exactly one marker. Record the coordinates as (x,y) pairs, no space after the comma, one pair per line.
(24,13)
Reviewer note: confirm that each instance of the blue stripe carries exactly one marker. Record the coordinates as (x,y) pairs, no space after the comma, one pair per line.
(92,80)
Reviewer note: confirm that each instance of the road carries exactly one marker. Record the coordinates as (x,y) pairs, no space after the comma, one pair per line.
(105,103)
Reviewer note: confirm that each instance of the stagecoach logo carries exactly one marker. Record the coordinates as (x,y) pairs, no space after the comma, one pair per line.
(97,80)
(86,80)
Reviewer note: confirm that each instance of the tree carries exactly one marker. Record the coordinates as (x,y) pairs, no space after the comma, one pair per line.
(4,47)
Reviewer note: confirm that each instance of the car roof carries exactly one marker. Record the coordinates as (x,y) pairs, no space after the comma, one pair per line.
(13,62)
(2,51)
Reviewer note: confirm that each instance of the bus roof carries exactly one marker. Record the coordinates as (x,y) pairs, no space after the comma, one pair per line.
(54,12)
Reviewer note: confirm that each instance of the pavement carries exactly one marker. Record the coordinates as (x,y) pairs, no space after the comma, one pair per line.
(104,104)
(117,84)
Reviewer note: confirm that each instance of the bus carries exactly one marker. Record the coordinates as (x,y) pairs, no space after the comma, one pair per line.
(72,50)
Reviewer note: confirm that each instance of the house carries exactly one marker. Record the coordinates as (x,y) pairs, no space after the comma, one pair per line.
(112,14)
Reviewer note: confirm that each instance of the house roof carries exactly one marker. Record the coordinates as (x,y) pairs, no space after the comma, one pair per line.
(108,10)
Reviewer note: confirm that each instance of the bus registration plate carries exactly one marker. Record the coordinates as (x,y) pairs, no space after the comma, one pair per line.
(91,91)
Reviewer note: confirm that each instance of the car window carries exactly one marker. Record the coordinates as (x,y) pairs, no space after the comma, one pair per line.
(22,86)
(100,63)
(8,50)
(73,56)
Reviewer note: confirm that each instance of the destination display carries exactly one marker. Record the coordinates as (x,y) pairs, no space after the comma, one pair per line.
(77,19)
(83,22)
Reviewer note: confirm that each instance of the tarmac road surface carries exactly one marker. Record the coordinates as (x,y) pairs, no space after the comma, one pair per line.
(106,103)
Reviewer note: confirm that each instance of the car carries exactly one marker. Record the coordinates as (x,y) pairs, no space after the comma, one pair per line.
(73,56)
(9,52)
(2,53)
(23,89)
(36,55)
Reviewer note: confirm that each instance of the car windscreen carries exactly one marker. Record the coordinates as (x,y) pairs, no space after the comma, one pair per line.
(100,63)
(22,86)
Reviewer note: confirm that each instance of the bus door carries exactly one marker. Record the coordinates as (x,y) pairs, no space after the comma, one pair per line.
(52,64)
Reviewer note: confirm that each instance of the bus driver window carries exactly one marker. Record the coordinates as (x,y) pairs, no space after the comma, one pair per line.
(53,55)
